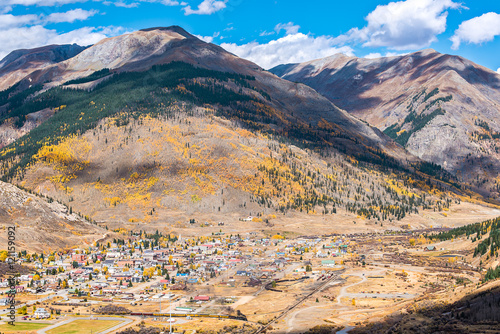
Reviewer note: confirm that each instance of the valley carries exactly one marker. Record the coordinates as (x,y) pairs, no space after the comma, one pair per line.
(153,179)
(259,281)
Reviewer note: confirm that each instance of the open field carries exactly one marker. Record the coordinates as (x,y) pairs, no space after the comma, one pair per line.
(84,327)
(297,224)
(22,327)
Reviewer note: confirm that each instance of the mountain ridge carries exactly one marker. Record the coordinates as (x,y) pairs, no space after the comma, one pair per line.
(431,103)
(20,63)
(158,127)
(143,49)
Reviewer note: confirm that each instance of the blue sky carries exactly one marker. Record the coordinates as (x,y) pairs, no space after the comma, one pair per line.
(269,32)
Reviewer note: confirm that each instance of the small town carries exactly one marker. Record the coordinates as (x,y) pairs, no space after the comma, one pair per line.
(167,280)
(143,271)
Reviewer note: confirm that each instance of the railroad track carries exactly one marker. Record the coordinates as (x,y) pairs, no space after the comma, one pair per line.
(291,307)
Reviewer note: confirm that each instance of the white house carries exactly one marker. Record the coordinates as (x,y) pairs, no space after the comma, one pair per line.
(41,313)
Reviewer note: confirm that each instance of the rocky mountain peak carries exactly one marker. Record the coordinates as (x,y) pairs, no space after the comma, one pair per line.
(117,51)
(20,63)
(176,29)
(442,108)
(49,54)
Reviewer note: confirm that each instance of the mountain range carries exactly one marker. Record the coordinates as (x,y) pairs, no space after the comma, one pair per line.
(141,50)
(444,109)
(160,126)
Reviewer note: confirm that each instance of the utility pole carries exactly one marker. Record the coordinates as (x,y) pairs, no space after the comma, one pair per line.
(170,308)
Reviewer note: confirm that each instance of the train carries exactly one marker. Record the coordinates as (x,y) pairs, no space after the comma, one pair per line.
(192,315)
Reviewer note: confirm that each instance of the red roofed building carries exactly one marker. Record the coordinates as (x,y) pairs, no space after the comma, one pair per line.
(202,298)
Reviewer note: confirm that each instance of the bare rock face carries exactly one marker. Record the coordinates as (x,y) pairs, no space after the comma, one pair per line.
(41,223)
(117,51)
(444,109)
(9,132)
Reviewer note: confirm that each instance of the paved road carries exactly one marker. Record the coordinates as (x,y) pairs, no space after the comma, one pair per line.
(125,321)
(60,293)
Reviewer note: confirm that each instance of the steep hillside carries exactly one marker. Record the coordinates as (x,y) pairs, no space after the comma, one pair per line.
(15,67)
(158,125)
(42,223)
(442,108)
(189,163)
(20,63)
(477,312)
(150,60)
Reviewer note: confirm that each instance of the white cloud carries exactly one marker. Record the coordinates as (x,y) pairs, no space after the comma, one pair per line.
(28,31)
(120,4)
(265,33)
(5,9)
(207,7)
(117,3)
(498,70)
(404,25)
(171,3)
(373,55)
(85,36)
(23,38)
(40,2)
(477,30)
(387,54)
(71,16)
(37,35)
(293,48)
(133,4)
(395,54)
(208,39)
(289,27)
(165,2)
(11,21)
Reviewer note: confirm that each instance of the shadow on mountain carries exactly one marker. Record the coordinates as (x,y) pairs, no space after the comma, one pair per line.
(472,74)
(483,166)
(348,88)
(478,313)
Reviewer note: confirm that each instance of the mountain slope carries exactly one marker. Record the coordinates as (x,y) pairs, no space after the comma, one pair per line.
(292,108)
(180,127)
(193,164)
(41,223)
(444,109)
(20,63)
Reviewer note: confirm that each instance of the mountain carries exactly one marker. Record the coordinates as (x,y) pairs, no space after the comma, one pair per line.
(42,223)
(444,109)
(139,51)
(15,67)
(20,63)
(158,126)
